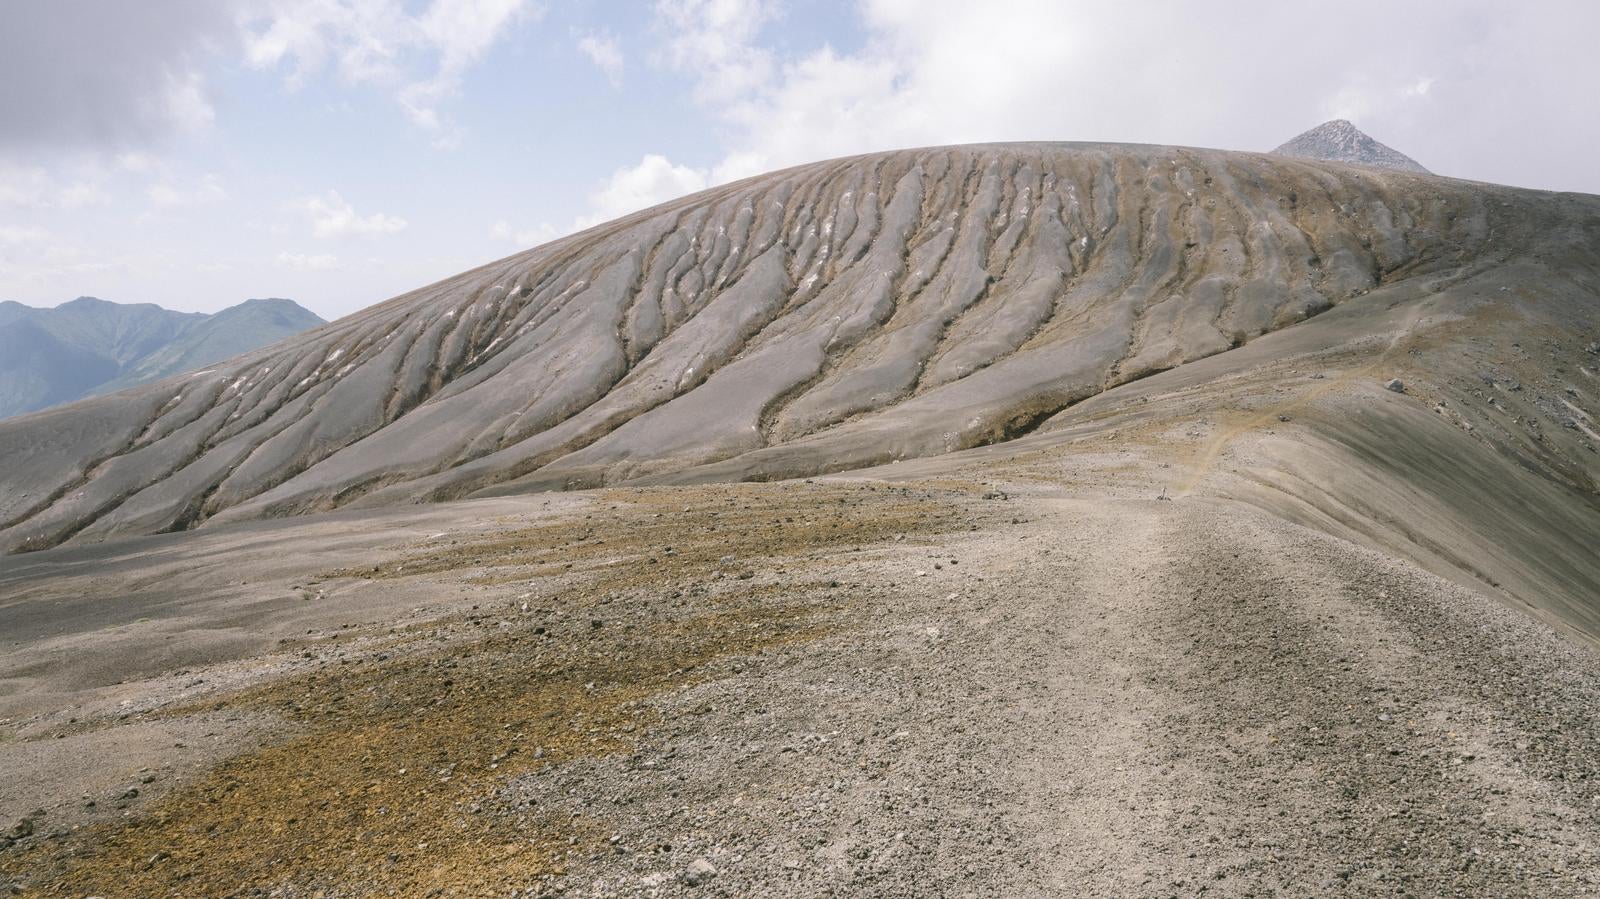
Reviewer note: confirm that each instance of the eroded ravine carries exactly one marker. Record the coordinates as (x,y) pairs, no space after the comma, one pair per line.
(826,317)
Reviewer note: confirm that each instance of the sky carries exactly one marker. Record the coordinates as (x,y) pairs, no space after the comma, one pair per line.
(197,153)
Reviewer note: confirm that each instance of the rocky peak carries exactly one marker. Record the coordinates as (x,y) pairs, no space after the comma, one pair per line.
(1340,141)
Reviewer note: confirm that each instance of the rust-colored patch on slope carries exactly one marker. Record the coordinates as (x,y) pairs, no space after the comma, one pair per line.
(650,535)
(377,792)
(387,782)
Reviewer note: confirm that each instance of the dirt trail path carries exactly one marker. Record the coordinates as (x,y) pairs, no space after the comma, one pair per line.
(1198,701)
(1206,462)
(1148,698)
(1095,793)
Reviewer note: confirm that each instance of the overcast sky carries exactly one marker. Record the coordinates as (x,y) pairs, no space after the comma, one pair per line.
(196,153)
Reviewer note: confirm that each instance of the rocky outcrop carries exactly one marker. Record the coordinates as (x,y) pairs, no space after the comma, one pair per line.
(1340,141)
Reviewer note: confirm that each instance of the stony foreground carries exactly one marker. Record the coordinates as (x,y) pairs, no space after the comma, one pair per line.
(1026,684)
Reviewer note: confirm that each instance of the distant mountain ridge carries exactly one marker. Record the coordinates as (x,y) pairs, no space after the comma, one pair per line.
(89,345)
(1340,141)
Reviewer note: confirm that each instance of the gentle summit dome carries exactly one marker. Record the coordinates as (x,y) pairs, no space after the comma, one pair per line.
(829,317)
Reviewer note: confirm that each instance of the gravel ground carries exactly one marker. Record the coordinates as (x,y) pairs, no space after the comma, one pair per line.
(1131,699)
(848,689)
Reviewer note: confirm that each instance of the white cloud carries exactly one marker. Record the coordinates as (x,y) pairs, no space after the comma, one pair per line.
(102,77)
(379,42)
(38,259)
(1350,103)
(363,39)
(171,194)
(33,187)
(716,40)
(447,140)
(15,234)
(185,103)
(654,180)
(1442,81)
(90,181)
(137,162)
(738,165)
(305,262)
(604,51)
(462,31)
(1365,98)
(331,216)
(542,233)
(1419,88)
(930,71)
(24,185)
(81,194)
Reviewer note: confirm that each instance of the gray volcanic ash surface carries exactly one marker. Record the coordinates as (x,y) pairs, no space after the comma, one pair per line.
(1340,141)
(832,316)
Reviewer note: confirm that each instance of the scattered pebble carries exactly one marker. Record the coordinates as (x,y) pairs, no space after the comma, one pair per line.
(699,871)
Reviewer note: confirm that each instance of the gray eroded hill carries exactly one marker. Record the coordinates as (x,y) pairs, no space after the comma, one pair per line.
(90,346)
(828,317)
(1340,141)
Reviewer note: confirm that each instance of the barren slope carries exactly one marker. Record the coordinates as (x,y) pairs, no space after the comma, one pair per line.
(832,316)
(1031,678)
